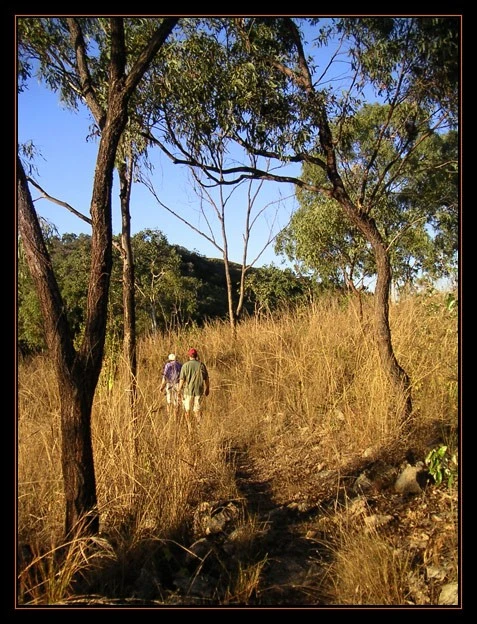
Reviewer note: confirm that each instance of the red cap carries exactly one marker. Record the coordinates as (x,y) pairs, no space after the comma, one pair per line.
(192,353)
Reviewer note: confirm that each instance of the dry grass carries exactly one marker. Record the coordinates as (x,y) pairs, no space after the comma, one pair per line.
(48,577)
(368,570)
(287,384)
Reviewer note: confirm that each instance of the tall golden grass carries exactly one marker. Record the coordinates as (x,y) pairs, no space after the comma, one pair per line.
(288,383)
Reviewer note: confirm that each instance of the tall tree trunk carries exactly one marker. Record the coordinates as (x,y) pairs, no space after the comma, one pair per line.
(81,513)
(129,301)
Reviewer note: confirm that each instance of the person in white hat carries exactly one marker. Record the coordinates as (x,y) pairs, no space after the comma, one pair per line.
(170,382)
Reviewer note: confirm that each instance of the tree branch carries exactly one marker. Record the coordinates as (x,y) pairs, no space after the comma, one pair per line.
(243,172)
(147,54)
(87,87)
(59,202)
(152,190)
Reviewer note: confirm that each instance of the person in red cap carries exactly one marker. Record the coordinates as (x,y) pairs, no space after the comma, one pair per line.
(194,384)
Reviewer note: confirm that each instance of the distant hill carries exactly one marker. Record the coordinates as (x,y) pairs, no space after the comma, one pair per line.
(211,273)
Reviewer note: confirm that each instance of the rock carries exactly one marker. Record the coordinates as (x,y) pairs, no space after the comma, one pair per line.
(435,572)
(377,520)
(212,517)
(407,481)
(449,594)
(363,484)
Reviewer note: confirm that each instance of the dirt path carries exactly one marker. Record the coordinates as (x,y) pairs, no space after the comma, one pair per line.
(294,561)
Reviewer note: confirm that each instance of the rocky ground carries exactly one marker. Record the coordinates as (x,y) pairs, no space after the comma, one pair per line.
(296,508)
(300,515)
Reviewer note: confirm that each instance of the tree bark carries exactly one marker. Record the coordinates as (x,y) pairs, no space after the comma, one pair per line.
(395,372)
(75,401)
(129,300)
(383,331)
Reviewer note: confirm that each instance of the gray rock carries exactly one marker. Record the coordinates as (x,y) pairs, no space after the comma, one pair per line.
(407,482)
(449,594)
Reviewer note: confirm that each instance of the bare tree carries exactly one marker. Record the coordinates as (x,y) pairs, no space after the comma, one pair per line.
(214,208)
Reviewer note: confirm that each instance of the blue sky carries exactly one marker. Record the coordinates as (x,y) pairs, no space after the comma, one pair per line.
(66,169)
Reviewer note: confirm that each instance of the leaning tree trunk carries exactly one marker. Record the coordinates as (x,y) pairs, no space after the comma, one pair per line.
(359,216)
(75,388)
(367,226)
(391,366)
(383,332)
(78,373)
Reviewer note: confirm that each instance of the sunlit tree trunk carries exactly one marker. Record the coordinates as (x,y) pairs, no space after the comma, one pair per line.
(129,300)
(76,376)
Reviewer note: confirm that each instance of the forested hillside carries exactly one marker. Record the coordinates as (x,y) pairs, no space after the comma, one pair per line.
(174,287)
(212,294)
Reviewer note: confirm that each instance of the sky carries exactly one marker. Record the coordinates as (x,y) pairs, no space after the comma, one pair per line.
(65,170)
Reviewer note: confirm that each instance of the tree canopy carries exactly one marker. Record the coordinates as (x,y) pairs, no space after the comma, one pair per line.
(417,208)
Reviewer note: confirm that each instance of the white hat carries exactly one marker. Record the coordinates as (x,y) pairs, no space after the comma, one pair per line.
(172,356)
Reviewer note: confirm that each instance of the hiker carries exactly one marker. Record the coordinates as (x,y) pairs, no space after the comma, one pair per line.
(193,384)
(170,382)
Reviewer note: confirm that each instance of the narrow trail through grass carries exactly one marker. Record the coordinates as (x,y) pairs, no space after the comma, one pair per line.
(289,576)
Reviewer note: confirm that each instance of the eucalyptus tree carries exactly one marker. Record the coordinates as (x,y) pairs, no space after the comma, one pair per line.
(264,92)
(272,288)
(70,54)
(321,243)
(166,298)
(418,216)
